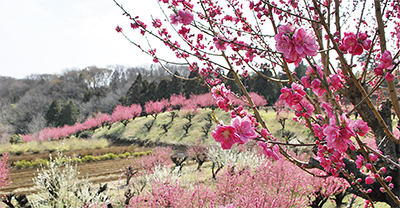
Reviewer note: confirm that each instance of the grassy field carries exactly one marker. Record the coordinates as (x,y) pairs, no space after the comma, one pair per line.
(176,134)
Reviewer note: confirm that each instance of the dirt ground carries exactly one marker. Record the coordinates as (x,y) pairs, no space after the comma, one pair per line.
(96,172)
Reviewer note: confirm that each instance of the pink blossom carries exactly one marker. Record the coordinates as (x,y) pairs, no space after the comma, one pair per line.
(360,127)
(220,91)
(369,180)
(362,36)
(157,23)
(305,43)
(298,88)
(368,166)
(359,161)
(118,29)
(379,70)
(387,60)
(185,17)
(284,44)
(306,81)
(292,57)
(350,44)
(388,178)
(367,44)
(286,93)
(174,19)
(268,151)
(223,104)
(226,135)
(244,128)
(220,43)
(317,88)
(337,138)
(335,81)
(389,77)
(373,157)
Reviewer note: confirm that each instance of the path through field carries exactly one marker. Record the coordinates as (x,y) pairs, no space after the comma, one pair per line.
(97,172)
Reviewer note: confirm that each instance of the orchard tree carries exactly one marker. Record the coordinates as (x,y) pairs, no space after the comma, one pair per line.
(238,37)
(124,114)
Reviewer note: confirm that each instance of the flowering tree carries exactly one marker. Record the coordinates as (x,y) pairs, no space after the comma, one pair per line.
(4,171)
(123,114)
(351,49)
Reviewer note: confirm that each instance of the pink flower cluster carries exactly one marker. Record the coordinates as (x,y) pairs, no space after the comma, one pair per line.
(295,98)
(353,45)
(184,17)
(220,93)
(337,139)
(386,63)
(240,131)
(295,44)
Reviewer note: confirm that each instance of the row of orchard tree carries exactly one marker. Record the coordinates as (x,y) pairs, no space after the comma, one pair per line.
(25,103)
(125,114)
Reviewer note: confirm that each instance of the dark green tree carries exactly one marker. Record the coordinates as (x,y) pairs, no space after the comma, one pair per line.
(163,90)
(232,84)
(176,84)
(53,114)
(144,95)
(300,70)
(260,85)
(152,92)
(69,114)
(193,87)
(133,94)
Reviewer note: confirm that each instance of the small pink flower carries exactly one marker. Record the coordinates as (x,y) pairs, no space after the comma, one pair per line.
(387,60)
(335,81)
(244,128)
(369,180)
(337,138)
(367,44)
(118,29)
(298,88)
(220,91)
(220,43)
(368,166)
(226,135)
(379,70)
(268,151)
(389,77)
(360,127)
(373,157)
(157,23)
(359,161)
(306,81)
(185,17)
(174,19)
(388,178)
(286,93)
(362,36)
(305,43)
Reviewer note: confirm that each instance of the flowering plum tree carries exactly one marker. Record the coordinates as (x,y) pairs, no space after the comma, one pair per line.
(153,108)
(4,171)
(124,114)
(351,49)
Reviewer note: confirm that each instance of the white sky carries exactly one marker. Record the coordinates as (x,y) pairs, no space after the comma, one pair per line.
(49,36)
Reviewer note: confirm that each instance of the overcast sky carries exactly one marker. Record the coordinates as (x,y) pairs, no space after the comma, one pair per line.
(49,36)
